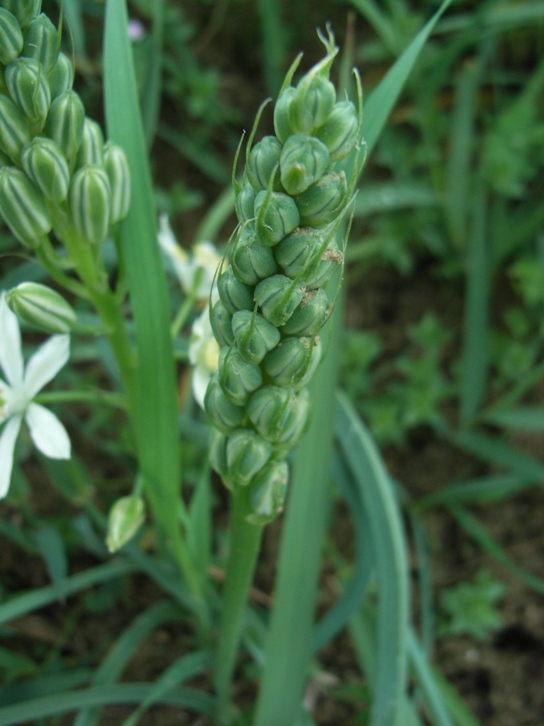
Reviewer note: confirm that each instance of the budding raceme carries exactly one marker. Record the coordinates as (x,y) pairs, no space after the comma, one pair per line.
(254,336)
(276,215)
(24,10)
(251,260)
(238,378)
(267,492)
(90,203)
(303,161)
(91,149)
(278,297)
(310,316)
(234,294)
(44,163)
(224,414)
(23,207)
(65,123)
(116,166)
(247,453)
(26,80)
(41,42)
(263,164)
(221,322)
(14,132)
(41,307)
(293,361)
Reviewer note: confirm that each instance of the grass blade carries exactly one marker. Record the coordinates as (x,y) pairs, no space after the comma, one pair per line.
(425,678)
(151,98)
(497,452)
(389,547)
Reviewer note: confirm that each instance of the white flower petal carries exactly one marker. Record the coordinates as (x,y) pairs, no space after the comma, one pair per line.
(47,432)
(200,380)
(46,363)
(11,354)
(8,436)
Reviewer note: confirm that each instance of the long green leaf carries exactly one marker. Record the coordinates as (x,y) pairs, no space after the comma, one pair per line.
(389,547)
(102,696)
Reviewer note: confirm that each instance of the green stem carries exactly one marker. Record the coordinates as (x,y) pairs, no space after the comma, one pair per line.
(112,399)
(245,541)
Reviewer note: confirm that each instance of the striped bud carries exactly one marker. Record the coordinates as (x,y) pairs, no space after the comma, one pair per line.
(24,10)
(65,123)
(234,294)
(311,314)
(41,307)
(23,207)
(303,161)
(295,421)
(46,165)
(61,76)
(42,42)
(218,456)
(267,492)
(223,414)
(116,166)
(28,87)
(278,297)
(245,203)
(251,260)
(125,518)
(90,195)
(221,322)
(310,255)
(293,361)
(14,133)
(254,336)
(91,150)
(247,453)
(11,37)
(282,125)
(276,215)
(311,104)
(268,409)
(238,378)
(323,201)
(264,162)
(341,130)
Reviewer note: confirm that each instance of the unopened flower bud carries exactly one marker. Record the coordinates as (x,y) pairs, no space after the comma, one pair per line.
(310,255)
(254,336)
(267,409)
(238,378)
(91,150)
(276,215)
(218,455)
(264,161)
(234,294)
(41,307)
(65,123)
(47,167)
(24,10)
(324,200)
(221,322)
(23,207)
(341,130)
(245,203)
(267,492)
(247,453)
(125,518)
(296,420)
(90,195)
(61,76)
(310,315)
(116,166)
(41,41)
(282,125)
(311,104)
(27,84)
(303,161)
(278,297)
(293,361)
(223,414)
(11,37)
(14,133)
(251,260)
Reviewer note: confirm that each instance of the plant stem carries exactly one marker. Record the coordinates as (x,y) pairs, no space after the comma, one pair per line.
(245,541)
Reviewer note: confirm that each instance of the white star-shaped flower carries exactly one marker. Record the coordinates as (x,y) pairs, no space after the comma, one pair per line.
(16,396)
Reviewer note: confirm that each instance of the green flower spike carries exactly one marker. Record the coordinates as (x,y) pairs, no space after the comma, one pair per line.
(245,203)
(276,215)
(310,316)
(303,161)
(224,415)
(23,207)
(90,203)
(234,295)
(11,37)
(251,260)
(263,164)
(41,307)
(221,322)
(278,297)
(238,378)
(293,362)
(91,150)
(46,165)
(324,201)
(341,131)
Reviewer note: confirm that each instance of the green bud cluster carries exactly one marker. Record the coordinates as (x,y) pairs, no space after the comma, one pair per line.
(272,303)
(54,164)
